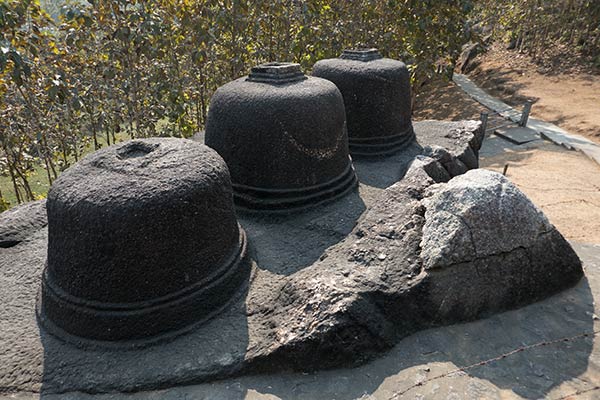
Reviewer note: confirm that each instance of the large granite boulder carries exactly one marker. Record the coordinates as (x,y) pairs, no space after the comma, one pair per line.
(486,247)
(477,215)
(426,254)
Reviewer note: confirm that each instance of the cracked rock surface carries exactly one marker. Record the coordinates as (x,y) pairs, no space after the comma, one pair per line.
(376,287)
(477,215)
(415,247)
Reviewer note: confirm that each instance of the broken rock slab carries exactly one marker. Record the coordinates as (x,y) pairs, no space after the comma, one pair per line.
(454,144)
(404,268)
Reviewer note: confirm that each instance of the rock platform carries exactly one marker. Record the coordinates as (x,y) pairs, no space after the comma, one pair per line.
(424,242)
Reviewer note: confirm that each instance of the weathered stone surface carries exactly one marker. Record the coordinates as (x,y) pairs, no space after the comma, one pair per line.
(143,242)
(376,286)
(359,298)
(20,222)
(469,52)
(283,136)
(476,215)
(486,248)
(454,144)
(377,100)
(332,286)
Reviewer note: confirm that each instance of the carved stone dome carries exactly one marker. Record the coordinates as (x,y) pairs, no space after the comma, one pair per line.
(376,93)
(143,242)
(283,137)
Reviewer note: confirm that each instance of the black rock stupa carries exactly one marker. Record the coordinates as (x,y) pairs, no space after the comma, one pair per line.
(143,242)
(283,137)
(376,93)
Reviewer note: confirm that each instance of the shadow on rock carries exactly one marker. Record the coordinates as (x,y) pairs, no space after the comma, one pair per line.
(384,172)
(285,244)
(520,351)
(214,349)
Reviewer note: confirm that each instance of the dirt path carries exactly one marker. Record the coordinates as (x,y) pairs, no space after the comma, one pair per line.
(571,101)
(564,184)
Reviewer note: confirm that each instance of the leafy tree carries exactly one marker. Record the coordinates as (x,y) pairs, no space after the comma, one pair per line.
(99,70)
(532,24)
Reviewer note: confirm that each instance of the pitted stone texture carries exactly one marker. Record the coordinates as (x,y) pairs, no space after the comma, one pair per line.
(377,99)
(333,286)
(361,54)
(476,215)
(374,287)
(455,144)
(428,167)
(142,240)
(286,145)
(22,221)
(277,73)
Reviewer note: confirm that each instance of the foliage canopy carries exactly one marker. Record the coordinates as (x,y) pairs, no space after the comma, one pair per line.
(95,71)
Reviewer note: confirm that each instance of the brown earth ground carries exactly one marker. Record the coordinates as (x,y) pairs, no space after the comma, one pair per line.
(563,183)
(566,94)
